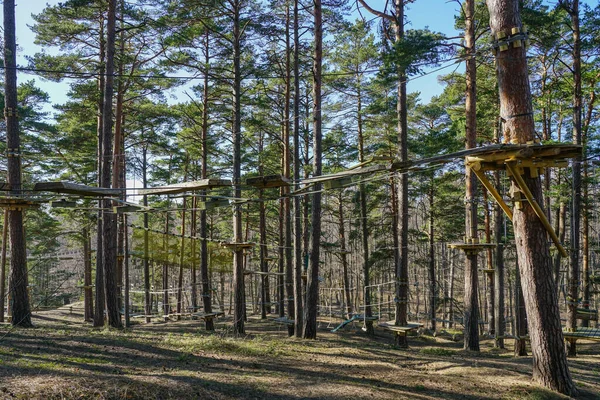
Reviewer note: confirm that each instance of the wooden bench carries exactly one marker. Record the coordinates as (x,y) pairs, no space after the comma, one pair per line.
(582,333)
(400,330)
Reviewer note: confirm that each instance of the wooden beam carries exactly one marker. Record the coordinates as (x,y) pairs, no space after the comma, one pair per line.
(268,181)
(75,188)
(186,186)
(536,207)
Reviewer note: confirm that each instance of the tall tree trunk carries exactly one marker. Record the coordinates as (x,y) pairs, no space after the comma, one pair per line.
(586,289)
(364,223)
(238,253)
(109,220)
(3,264)
(118,160)
(165,270)
(402,129)
(471,312)
(431,262)
(21,312)
(126,273)
(100,298)
(520,317)
(88,305)
(204,273)
(287,211)
(574,270)
(499,274)
(146,261)
(180,308)
(344,255)
(312,286)
(491,314)
(550,366)
(298,302)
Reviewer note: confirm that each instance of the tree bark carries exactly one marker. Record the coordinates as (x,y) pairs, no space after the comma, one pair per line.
(499,318)
(312,286)
(3,264)
(238,253)
(18,287)
(574,268)
(204,273)
(550,366)
(99,298)
(298,302)
(402,129)
(109,220)
(88,305)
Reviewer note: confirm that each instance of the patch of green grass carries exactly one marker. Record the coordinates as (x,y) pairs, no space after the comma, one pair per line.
(86,360)
(419,387)
(257,347)
(438,351)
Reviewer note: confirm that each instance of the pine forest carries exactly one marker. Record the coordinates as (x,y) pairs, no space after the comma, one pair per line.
(289,199)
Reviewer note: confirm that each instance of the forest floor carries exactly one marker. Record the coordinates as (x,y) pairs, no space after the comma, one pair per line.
(63,358)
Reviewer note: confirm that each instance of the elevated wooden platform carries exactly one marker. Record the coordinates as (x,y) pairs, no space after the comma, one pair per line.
(268,181)
(264,273)
(212,203)
(587,314)
(18,203)
(76,189)
(472,248)
(186,187)
(237,246)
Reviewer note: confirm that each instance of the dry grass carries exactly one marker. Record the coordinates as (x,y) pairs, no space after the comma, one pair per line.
(62,358)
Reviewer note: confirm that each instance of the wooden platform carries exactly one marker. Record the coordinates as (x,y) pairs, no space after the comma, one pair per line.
(268,181)
(264,273)
(587,314)
(237,246)
(472,248)
(400,330)
(582,333)
(18,203)
(186,187)
(525,155)
(75,188)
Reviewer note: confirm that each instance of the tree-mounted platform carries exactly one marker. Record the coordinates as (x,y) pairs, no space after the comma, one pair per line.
(183,187)
(18,203)
(516,159)
(237,246)
(212,203)
(248,272)
(76,189)
(268,181)
(587,314)
(472,248)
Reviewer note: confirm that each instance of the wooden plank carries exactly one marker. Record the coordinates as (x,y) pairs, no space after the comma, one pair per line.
(268,181)
(583,333)
(75,188)
(186,186)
